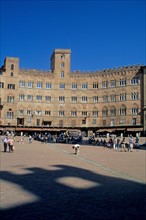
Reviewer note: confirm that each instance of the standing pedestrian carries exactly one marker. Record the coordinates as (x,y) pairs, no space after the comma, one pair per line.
(131,143)
(137,142)
(123,145)
(21,140)
(118,143)
(5,142)
(3,137)
(11,144)
(115,143)
(30,139)
(46,139)
(110,143)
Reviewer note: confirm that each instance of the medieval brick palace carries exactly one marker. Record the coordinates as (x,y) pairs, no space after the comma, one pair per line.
(111,100)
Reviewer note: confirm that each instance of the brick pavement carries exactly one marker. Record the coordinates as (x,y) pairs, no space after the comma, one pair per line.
(47,181)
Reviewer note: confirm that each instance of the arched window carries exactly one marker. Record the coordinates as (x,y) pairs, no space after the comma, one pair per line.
(123,110)
(122,82)
(62,74)
(113,111)
(134,109)
(134,95)
(12,66)
(62,64)
(122,96)
(10,114)
(62,56)
(74,112)
(95,113)
(104,111)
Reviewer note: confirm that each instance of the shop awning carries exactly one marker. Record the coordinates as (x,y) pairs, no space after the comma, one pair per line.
(105,130)
(119,129)
(10,129)
(39,129)
(134,129)
(23,129)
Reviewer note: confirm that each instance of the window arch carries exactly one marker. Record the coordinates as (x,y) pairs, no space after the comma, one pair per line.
(62,56)
(38,110)
(62,64)
(29,112)
(122,82)
(12,66)
(10,114)
(104,111)
(84,112)
(113,111)
(123,96)
(134,109)
(74,112)
(134,95)
(113,82)
(62,74)
(122,110)
(95,112)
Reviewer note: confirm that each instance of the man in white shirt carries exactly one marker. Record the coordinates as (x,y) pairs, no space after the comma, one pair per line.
(5,143)
(131,143)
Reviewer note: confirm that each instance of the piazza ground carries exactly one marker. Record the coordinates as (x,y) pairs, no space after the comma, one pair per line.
(48,181)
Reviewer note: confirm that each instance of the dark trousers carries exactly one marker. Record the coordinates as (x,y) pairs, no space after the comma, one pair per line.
(10,148)
(5,147)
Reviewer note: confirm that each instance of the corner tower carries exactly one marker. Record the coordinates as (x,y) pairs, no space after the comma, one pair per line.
(60,61)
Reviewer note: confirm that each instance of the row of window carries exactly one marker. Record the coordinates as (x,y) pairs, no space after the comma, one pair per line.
(84,85)
(73,122)
(74,86)
(75,99)
(74,113)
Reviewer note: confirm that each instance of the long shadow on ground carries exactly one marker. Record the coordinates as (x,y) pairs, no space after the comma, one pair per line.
(108,198)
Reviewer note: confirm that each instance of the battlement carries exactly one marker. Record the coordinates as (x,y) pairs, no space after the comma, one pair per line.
(35,72)
(60,51)
(107,71)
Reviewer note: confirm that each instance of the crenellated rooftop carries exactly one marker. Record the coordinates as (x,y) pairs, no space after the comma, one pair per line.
(35,72)
(108,71)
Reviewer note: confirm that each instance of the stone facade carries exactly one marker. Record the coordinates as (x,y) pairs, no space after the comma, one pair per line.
(111,99)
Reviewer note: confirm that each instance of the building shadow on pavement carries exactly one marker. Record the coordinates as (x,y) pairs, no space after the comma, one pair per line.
(70,193)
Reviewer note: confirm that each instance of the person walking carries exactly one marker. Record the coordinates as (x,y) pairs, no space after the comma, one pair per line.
(123,145)
(11,143)
(118,143)
(137,142)
(5,142)
(115,143)
(131,143)
(110,143)
(30,139)
(21,140)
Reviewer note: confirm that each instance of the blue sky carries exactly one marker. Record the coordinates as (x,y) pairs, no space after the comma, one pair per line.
(100,34)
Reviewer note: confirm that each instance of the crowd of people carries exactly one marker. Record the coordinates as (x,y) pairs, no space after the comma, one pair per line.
(9,138)
(113,142)
(117,143)
(8,142)
(61,138)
